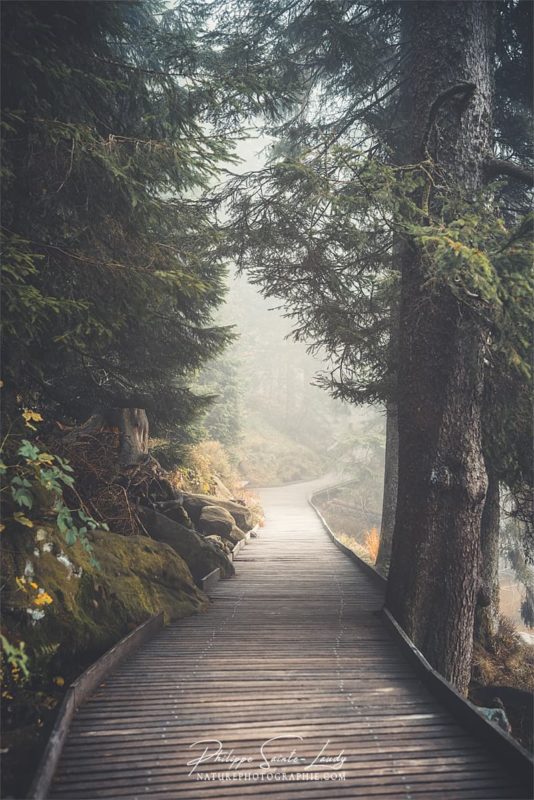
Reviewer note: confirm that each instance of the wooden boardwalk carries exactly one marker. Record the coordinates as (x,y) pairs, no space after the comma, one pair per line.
(292,652)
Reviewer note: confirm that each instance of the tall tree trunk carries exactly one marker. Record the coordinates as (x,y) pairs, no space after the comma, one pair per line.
(391,478)
(487,609)
(433,575)
(132,425)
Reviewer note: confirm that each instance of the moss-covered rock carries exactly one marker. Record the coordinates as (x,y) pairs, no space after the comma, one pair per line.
(224,544)
(201,555)
(93,605)
(68,610)
(215,520)
(195,503)
(236,534)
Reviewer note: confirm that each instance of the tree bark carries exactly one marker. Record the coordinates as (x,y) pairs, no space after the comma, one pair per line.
(133,428)
(487,609)
(391,479)
(132,425)
(433,575)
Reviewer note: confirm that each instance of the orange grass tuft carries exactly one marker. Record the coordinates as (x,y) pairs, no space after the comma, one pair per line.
(372,543)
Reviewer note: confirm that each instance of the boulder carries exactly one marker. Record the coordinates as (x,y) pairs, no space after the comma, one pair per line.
(236,534)
(224,544)
(221,489)
(194,503)
(173,509)
(200,555)
(215,520)
(95,600)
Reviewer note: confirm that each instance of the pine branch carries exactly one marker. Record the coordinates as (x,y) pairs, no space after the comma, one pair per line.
(494,167)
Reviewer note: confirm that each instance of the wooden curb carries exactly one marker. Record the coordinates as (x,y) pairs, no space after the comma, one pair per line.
(209,581)
(78,692)
(370,570)
(514,757)
(214,576)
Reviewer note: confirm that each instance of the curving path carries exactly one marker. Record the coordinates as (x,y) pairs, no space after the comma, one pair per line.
(291,652)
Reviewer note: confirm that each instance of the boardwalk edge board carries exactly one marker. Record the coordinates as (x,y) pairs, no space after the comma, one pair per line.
(370,570)
(78,692)
(209,581)
(515,757)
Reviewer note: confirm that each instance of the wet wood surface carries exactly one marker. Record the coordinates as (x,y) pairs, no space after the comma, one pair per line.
(293,672)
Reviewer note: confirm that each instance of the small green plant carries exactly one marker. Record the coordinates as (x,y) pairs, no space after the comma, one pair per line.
(31,473)
(15,656)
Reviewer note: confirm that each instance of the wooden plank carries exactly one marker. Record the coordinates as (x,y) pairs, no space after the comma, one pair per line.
(75,695)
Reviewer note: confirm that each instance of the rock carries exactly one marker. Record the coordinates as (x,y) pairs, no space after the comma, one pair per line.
(498,717)
(95,604)
(216,520)
(236,534)
(173,509)
(200,555)
(224,544)
(222,490)
(194,503)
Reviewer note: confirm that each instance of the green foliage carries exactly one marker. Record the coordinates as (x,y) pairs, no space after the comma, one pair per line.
(221,380)
(33,488)
(332,233)
(487,265)
(15,656)
(111,269)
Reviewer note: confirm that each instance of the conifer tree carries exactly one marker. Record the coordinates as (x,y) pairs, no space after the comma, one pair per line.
(111,270)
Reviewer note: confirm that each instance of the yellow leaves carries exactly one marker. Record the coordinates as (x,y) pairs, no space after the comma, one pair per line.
(22,519)
(28,586)
(45,458)
(30,416)
(59,681)
(42,599)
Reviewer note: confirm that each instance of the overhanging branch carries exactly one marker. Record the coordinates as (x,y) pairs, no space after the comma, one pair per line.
(495,167)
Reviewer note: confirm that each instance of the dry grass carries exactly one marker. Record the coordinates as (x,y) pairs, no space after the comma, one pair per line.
(507,662)
(353,545)
(202,462)
(505,670)
(205,461)
(372,543)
